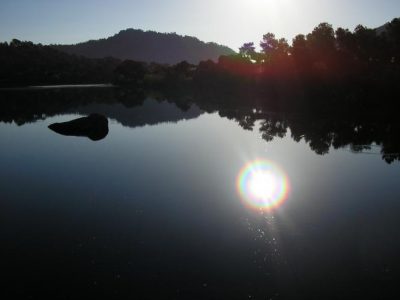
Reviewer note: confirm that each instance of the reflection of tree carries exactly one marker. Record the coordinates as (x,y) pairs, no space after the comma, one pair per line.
(27,105)
(321,133)
(271,128)
(391,145)
(130,97)
(360,148)
(247,123)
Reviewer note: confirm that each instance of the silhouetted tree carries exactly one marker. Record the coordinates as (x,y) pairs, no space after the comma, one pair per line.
(301,52)
(393,32)
(365,39)
(322,39)
(321,42)
(345,40)
(248,50)
(269,43)
(130,72)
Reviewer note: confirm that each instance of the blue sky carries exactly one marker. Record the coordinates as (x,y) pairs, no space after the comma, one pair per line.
(229,22)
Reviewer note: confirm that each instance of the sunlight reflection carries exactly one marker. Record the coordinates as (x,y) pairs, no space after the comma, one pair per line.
(262,185)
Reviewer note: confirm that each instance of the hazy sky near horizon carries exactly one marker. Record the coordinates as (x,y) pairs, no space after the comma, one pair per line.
(228,22)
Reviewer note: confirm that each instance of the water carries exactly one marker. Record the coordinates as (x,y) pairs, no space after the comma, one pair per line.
(153,209)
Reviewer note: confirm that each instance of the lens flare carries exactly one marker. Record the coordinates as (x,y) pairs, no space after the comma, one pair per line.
(262,185)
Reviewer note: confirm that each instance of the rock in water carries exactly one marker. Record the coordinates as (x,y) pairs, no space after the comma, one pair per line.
(94,126)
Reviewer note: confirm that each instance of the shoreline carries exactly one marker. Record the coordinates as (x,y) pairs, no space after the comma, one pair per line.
(57,86)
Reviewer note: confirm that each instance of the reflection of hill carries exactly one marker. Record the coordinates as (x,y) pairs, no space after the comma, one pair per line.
(130,109)
(25,105)
(150,112)
(360,133)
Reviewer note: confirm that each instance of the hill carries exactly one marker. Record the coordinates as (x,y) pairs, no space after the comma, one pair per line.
(381,29)
(149,46)
(389,28)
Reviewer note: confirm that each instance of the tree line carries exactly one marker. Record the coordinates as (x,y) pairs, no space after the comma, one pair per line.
(324,70)
(25,63)
(326,49)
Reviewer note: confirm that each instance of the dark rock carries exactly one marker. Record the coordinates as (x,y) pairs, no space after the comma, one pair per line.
(94,126)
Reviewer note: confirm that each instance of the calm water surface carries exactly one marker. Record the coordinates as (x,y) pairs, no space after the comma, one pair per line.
(153,210)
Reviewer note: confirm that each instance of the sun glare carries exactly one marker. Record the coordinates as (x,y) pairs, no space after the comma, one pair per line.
(262,185)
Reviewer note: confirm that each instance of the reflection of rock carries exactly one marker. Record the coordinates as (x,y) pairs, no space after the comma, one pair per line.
(94,126)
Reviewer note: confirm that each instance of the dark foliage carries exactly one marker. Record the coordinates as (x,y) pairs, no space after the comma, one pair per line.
(130,72)
(24,63)
(327,70)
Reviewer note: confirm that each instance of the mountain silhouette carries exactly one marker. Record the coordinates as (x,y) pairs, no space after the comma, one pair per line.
(382,29)
(149,46)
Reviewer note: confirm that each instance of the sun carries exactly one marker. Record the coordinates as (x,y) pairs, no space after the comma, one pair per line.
(262,185)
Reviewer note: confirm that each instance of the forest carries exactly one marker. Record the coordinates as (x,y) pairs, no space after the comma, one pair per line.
(326,70)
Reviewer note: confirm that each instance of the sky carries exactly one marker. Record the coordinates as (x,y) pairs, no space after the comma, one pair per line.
(227,22)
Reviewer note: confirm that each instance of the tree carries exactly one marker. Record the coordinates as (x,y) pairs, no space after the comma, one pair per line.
(366,40)
(269,43)
(130,72)
(393,30)
(248,50)
(299,45)
(300,51)
(282,47)
(322,40)
(273,48)
(345,40)
(183,68)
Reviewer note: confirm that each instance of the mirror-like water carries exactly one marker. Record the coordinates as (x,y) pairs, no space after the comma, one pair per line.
(167,205)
